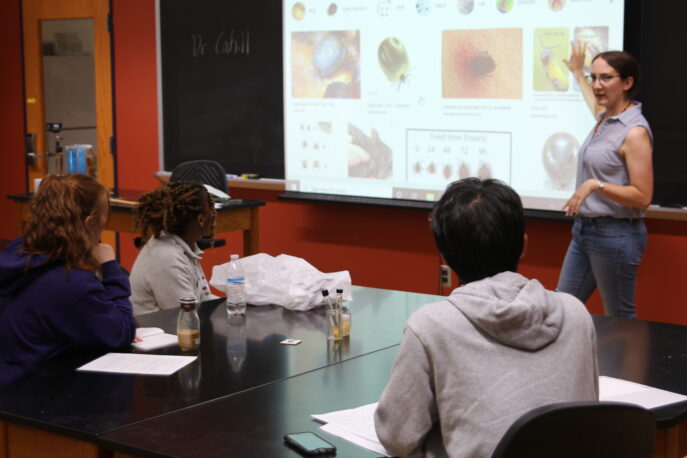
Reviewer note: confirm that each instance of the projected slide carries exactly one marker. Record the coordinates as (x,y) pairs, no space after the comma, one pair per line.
(398,98)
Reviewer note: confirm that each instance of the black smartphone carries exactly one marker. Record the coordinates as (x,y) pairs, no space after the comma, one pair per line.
(309,444)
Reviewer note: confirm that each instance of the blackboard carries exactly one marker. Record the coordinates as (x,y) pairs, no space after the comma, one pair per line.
(662,91)
(221,77)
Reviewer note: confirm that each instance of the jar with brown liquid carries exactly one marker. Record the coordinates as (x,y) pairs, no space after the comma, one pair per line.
(188,324)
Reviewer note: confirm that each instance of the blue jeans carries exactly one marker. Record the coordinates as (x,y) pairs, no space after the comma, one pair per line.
(605,252)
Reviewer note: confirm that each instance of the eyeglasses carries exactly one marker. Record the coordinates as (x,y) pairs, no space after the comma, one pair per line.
(603,78)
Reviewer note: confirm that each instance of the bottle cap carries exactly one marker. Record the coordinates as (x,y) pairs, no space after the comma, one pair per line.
(187,303)
(325,293)
(234,257)
(339,290)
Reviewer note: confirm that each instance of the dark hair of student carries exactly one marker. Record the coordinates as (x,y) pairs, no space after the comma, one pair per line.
(171,208)
(479,228)
(57,214)
(625,64)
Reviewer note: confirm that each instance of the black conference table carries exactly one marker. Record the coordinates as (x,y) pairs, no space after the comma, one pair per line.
(246,390)
(234,357)
(252,423)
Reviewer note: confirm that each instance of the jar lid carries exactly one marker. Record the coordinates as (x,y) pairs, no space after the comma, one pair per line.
(188,303)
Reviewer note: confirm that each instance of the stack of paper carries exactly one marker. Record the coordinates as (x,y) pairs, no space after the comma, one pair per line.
(614,389)
(153,338)
(354,425)
(132,363)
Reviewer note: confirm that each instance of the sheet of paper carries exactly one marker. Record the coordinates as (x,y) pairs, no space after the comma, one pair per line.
(354,425)
(156,341)
(147,332)
(613,389)
(362,417)
(132,363)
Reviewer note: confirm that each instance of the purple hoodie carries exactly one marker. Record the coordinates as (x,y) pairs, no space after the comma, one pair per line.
(44,310)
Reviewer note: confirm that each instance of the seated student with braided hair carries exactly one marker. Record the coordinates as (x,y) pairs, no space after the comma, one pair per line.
(60,288)
(170,220)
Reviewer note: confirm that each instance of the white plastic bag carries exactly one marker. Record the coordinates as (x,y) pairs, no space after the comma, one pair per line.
(284,280)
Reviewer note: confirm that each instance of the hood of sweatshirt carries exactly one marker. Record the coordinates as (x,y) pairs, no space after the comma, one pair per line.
(512,309)
(14,274)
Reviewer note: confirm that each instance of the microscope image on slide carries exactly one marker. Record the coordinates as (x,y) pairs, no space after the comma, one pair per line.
(559,157)
(298,11)
(443,156)
(466,6)
(482,63)
(596,39)
(393,60)
(551,49)
(504,6)
(326,64)
(556,5)
(368,155)
(315,148)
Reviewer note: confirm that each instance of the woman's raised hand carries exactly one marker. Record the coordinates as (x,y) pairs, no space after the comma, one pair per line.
(576,62)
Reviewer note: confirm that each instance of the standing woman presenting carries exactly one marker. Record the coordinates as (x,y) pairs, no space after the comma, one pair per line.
(614,185)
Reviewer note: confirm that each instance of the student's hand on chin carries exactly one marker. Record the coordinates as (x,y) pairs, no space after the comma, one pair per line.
(103,253)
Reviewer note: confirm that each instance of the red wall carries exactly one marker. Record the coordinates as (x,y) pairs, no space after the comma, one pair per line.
(386,248)
(12,170)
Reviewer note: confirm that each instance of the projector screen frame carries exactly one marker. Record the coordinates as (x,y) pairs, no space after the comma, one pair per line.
(631,41)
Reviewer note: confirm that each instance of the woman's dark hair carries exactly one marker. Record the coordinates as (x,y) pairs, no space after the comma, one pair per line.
(57,219)
(625,64)
(171,208)
(479,228)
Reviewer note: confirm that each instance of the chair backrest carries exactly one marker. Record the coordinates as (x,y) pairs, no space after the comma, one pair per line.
(205,171)
(581,429)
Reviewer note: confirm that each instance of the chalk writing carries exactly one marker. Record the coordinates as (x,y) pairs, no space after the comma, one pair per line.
(227,42)
(199,46)
(236,43)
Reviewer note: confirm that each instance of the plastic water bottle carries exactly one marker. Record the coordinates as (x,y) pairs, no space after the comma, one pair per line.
(236,287)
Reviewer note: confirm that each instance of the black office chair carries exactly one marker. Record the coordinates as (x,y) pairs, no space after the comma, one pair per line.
(580,429)
(207,172)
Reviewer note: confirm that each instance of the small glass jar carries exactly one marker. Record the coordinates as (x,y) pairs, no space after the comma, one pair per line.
(188,324)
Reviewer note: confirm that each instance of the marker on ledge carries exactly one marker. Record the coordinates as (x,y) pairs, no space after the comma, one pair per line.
(250,176)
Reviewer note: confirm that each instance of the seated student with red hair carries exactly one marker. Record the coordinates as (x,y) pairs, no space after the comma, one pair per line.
(60,287)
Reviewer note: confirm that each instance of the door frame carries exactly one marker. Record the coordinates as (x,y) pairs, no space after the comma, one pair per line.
(35,11)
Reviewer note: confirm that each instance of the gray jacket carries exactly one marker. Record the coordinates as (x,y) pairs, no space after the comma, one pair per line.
(165,270)
(470,365)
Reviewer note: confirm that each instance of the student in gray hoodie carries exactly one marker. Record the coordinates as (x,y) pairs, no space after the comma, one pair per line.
(497,347)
